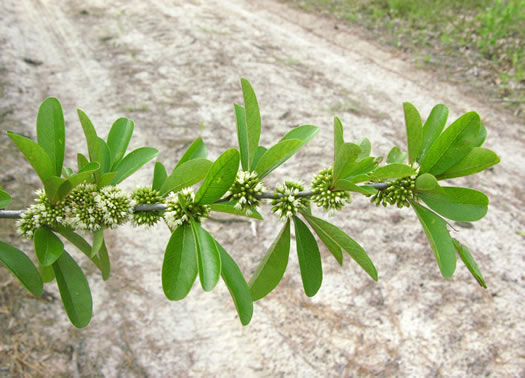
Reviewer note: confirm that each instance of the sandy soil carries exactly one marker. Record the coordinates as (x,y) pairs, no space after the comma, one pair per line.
(174,67)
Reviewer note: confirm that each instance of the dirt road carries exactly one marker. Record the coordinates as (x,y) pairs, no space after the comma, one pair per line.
(174,67)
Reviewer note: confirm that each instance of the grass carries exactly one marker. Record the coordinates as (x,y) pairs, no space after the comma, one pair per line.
(481,41)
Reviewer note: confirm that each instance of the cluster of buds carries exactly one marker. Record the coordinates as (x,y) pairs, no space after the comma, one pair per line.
(178,213)
(90,209)
(399,192)
(288,203)
(147,196)
(245,190)
(41,213)
(325,196)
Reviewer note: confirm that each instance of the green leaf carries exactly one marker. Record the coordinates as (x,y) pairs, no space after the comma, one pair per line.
(98,240)
(358,168)
(273,157)
(432,129)
(102,155)
(242,137)
(22,267)
(51,133)
(67,172)
(52,186)
(185,175)
(436,230)
(453,145)
(47,274)
(179,268)
(35,154)
(426,183)
(101,261)
(469,262)
(414,128)
(208,257)
(159,176)
(304,133)
(5,199)
(82,161)
(258,155)
(309,258)
(272,267)
(344,160)
(84,174)
(229,207)
(196,150)
(132,162)
(220,177)
(366,147)
(90,134)
(351,187)
(253,118)
(390,171)
(106,179)
(334,249)
(345,242)
(48,246)
(236,284)
(118,138)
(396,155)
(459,204)
(339,140)
(74,290)
(477,160)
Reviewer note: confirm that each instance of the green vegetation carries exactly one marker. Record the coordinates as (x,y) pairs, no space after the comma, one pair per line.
(481,39)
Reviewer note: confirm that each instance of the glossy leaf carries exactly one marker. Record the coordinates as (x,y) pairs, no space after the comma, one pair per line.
(258,155)
(22,267)
(118,138)
(273,157)
(196,150)
(220,177)
(106,179)
(242,137)
(469,262)
(159,176)
(333,247)
(52,186)
(344,160)
(35,154)
(452,146)
(74,290)
(5,199)
(338,137)
(433,127)
(309,258)
(101,261)
(208,257)
(346,243)
(90,135)
(82,161)
(98,240)
(51,133)
(185,175)
(132,162)
(477,160)
(102,155)
(304,133)
(272,267)
(390,171)
(459,204)
(358,168)
(253,118)
(48,246)
(179,268)
(414,129)
(396,155)
(47,274)
(366,147)
(236,284)
(84,174)
(229,207)
(435,228)
(351,187)
(426,183)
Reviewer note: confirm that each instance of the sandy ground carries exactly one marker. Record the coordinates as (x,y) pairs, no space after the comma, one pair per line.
(174,67)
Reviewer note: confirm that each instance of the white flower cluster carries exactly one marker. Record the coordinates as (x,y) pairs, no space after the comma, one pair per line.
(176,215)
(325,196)
(245,190)
(40,214)
(86,208)
(288,204)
